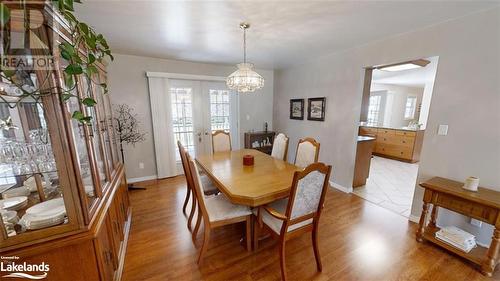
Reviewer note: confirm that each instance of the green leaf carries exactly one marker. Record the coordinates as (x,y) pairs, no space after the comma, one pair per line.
(66,96)
(108,52)
(67,49)
(69,81)
(68,4)
(84,28)
(89,102)
(9,73)
(91,59)
(90,70)
(78,115)
(91,41)
(69,16)
(73,69)
(4,14)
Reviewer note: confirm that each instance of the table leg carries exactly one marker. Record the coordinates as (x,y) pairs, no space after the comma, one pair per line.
(421,223)
(489,264)
(434,214)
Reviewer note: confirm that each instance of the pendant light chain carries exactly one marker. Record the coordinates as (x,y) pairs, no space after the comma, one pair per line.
(244,45)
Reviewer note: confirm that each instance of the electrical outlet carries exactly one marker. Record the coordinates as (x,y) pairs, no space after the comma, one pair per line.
(141,165)
(475,222)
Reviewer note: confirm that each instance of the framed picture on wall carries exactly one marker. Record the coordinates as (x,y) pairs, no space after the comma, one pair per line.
(316,109)
(297,109)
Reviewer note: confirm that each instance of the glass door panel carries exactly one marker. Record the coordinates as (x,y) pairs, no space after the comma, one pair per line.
(103,123)
(32,195)
(95,137)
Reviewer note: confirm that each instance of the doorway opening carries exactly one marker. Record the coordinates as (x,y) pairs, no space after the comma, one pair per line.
(200,108)
(395,107)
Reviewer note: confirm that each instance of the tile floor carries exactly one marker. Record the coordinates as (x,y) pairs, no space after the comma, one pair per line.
(391,185)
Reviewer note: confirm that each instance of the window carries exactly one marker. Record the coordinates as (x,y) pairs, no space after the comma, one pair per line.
(182,118)
(411,103)
(219,110)
(374,110)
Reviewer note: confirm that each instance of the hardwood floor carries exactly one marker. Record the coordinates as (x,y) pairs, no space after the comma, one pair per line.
(358,241)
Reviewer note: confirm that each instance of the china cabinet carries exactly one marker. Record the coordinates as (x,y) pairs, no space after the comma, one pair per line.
(63,190)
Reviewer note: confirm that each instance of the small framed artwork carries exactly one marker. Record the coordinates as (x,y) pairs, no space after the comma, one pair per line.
(297,109)
(316,109)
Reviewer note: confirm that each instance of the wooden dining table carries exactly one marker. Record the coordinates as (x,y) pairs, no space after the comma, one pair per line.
(268,180)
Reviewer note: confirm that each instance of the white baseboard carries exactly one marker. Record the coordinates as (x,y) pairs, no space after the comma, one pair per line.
(340,187)
(414,219)
(146,178)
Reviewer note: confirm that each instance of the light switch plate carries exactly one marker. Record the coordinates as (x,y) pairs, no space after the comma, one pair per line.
(443,130)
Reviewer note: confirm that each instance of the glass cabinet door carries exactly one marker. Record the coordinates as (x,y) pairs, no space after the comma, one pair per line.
(104,123)
(94,128)
(36,196)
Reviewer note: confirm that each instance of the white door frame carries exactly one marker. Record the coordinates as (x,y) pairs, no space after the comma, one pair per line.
(181,76)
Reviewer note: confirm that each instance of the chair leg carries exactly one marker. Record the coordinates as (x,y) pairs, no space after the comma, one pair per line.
(248,234)
(256,233)
(197,227)
(316,247)
(282,259)
(188,193)
(204,247)
(193,209)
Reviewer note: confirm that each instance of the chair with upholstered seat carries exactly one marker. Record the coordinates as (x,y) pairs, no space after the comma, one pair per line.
(280,147)
(307,152)
(217,211)
(299,213)
(221,141)
(210,188)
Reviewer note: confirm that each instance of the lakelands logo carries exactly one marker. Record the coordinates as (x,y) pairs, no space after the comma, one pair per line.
(15,269)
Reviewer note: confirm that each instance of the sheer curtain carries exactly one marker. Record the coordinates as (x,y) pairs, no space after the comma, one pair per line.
(161,113)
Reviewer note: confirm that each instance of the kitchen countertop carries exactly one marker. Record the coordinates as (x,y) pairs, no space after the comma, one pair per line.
(391,128)
(365,138)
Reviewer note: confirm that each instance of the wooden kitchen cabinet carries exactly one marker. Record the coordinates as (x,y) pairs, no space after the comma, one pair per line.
(397,144)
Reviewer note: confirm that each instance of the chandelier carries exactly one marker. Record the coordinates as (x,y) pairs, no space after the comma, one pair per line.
(244,79)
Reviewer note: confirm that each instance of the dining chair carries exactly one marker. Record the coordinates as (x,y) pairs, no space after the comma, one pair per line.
(280,147)
(297,214)
(210,188)
(221,141)
(307,152)
(217,211)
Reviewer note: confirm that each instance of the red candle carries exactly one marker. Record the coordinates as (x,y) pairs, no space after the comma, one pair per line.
(248,160)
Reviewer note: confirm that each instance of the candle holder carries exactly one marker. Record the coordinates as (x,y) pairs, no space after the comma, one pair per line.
(248,160)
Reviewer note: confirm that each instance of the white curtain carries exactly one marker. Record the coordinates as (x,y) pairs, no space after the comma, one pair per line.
(161,113)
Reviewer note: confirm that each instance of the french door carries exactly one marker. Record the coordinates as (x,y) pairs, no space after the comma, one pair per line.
(198,109)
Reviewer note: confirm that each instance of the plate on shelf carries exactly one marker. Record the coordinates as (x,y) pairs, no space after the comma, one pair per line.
(9,216)
(5,187)
(18,191)
(31,184)
(49,208)
(33,222)
(14,203)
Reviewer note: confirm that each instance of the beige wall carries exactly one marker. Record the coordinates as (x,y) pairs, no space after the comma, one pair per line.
(466,97)
(128,84)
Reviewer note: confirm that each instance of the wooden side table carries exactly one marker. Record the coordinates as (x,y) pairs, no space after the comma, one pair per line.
(483,205)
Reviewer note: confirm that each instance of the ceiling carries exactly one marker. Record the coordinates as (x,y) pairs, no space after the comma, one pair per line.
(417,77)
(282,32)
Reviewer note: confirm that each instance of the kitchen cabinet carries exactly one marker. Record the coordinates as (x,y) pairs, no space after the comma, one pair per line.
(399,144)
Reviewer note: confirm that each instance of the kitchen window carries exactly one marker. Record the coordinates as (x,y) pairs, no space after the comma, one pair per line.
(374,110)
(411,104)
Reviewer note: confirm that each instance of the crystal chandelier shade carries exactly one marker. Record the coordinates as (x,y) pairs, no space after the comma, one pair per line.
(245,79)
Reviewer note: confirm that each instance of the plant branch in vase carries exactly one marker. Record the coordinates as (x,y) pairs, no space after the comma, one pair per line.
(128,130)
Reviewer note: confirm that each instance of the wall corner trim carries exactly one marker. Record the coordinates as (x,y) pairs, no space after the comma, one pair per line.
(340,187)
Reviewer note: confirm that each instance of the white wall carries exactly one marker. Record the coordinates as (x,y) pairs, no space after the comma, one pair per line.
(466,96)
(128,84)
